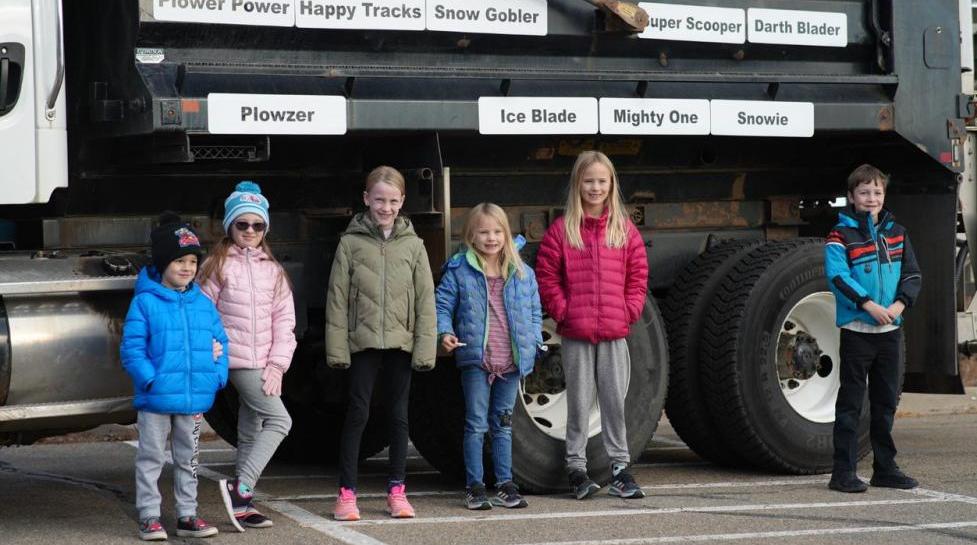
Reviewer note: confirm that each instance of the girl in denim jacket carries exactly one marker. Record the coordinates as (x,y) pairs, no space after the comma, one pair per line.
(489,315)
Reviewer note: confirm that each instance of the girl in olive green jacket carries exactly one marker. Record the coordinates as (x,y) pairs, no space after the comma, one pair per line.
(380,322)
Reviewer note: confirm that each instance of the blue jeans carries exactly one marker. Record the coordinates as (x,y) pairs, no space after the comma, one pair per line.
(488,407)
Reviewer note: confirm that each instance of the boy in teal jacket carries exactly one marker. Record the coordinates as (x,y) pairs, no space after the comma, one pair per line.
(873,273)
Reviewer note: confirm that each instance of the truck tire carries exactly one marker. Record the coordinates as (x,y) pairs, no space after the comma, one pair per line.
(314,437)
(770,371)
(538,445)
(685,309)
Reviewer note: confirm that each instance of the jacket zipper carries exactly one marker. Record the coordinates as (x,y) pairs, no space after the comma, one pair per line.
(254,336)
(487,297)
(875,240)
(596,246)
(512,334)
(186,347)
(383,289)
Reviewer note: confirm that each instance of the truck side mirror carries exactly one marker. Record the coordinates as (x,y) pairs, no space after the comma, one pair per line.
(11,75)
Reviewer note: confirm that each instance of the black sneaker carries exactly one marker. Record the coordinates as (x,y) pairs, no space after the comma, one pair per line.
(847,482)
(624,486)
(194,527)
(252,518)
(581,485)
(151,529)
(508,496)
(893,479)
(475,498)
(234,503)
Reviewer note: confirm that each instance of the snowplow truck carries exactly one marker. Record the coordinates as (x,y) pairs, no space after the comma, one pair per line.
(733,125)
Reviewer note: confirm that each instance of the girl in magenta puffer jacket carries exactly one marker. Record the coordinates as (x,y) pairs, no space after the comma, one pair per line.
(254,298)
(592,272)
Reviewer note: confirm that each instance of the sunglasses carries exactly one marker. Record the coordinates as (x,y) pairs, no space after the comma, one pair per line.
(243,226)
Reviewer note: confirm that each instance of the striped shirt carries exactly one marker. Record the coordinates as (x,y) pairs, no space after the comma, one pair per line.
(498,348)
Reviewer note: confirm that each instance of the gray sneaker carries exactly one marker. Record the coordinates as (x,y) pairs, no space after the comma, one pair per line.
(508,496)
(623,485)
(475,498)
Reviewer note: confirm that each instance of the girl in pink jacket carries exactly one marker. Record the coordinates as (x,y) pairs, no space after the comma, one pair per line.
(592,271)
(254,298)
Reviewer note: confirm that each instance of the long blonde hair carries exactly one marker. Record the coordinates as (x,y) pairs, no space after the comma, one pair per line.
(213,267)
(510,255)
(573,215)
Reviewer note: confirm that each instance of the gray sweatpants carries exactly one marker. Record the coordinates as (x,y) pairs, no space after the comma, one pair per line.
(603,367)
(184,432)
(262,424)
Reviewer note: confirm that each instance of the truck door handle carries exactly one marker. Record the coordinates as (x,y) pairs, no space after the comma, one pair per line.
(12,56)
(4,77)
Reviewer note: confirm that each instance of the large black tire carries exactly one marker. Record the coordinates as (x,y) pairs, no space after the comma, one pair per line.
(316,424)
(538,460)
(437,419)
(684,309)
(739,374)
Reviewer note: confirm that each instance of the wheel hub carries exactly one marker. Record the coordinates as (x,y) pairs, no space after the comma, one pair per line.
(800,355)
(807,353)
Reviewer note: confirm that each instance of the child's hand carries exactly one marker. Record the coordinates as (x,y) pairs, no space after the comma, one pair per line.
(450,342)
(896,309)
(878,312)
(272,381)
(218,350)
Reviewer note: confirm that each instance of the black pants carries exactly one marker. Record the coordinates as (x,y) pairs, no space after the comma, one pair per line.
(394,370)
(877,357)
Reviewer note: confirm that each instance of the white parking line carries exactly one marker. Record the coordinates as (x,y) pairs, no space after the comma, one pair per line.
(942,495)
(677,486)
(652,511)
(768,535)
(335,530)
(305,518)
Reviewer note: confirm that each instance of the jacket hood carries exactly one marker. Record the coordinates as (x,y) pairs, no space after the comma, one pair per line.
(468,254)
(849,217)
(150,281)
(363,224)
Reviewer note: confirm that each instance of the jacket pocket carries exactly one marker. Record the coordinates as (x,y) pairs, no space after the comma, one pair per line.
(351,317)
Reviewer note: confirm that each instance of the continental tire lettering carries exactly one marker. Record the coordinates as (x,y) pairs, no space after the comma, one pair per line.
(800,279)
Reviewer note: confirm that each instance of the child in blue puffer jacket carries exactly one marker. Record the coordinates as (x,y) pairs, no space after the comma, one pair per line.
(173,347)
(489,314)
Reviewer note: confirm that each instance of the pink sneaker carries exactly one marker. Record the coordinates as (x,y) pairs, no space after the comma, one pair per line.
(397,504)
(346,506)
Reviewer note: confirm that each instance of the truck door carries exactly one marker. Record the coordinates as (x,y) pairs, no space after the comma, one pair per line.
(17,152)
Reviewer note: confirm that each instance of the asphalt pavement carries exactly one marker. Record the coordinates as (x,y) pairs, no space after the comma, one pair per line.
(82,492)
